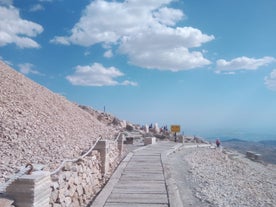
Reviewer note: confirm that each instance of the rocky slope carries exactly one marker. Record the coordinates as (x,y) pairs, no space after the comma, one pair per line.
(222,178)
(39,126)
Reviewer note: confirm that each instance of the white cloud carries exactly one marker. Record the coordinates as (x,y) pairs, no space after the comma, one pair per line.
(138,29)
(168,16)
(108,54)
(27,68)
(243,63)
(225,73)
(97,75)
(174,59)
(131,83)
(270,81)
(60,40)
(86,53)
(36,7)
(166,49)
(15,30)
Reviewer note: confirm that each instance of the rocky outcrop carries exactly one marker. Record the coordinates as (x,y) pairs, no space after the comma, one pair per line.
(104,117)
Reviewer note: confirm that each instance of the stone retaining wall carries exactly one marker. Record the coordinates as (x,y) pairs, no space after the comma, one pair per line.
(114,158)
(79,182)
(74,185)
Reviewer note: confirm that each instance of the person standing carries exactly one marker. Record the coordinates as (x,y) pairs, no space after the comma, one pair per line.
(218,142)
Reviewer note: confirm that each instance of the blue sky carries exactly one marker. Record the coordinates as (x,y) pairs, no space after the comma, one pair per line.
(209,66)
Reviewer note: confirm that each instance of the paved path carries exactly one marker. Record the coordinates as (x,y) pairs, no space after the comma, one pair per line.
(139,181)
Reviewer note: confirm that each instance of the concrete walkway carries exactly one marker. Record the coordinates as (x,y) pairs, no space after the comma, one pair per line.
(140,180)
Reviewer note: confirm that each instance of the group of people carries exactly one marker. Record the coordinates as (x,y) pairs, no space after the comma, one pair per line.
(162,129)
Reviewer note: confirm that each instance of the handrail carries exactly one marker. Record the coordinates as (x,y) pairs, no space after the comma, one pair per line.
(118,136)
(76,159)
(27,168)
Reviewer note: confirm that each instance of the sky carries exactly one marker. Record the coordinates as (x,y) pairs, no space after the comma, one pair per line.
(209,66)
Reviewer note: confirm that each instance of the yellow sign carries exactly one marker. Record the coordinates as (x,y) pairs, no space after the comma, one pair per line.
(175,128)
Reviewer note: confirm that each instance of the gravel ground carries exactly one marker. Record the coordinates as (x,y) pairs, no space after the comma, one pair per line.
(215,177)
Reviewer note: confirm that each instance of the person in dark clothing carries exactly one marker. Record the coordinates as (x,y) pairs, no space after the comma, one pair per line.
(218,142)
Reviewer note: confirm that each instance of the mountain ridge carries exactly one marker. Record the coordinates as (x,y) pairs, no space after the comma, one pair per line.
(267,148)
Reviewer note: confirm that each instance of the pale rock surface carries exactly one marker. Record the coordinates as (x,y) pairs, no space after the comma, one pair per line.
(221,178)
(41,127)
(5,202)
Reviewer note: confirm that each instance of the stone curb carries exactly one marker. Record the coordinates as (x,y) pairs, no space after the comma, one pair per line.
(172,189)
(173,192)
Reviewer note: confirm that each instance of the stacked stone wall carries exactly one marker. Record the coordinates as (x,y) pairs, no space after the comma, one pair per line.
(77,183)
(114,157)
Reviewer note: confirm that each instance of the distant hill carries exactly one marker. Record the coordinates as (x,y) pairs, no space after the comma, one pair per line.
(267,148)
(268,142)
(234,140)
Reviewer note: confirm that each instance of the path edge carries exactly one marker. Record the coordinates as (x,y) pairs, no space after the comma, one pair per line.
(102,197)
(172,189)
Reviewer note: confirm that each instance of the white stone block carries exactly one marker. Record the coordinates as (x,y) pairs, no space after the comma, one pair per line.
(31,190)
(149,140)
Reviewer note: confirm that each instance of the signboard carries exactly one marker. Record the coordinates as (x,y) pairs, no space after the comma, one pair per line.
(175,128)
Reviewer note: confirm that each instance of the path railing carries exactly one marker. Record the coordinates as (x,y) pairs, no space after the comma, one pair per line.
(76,159)
(36,189)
